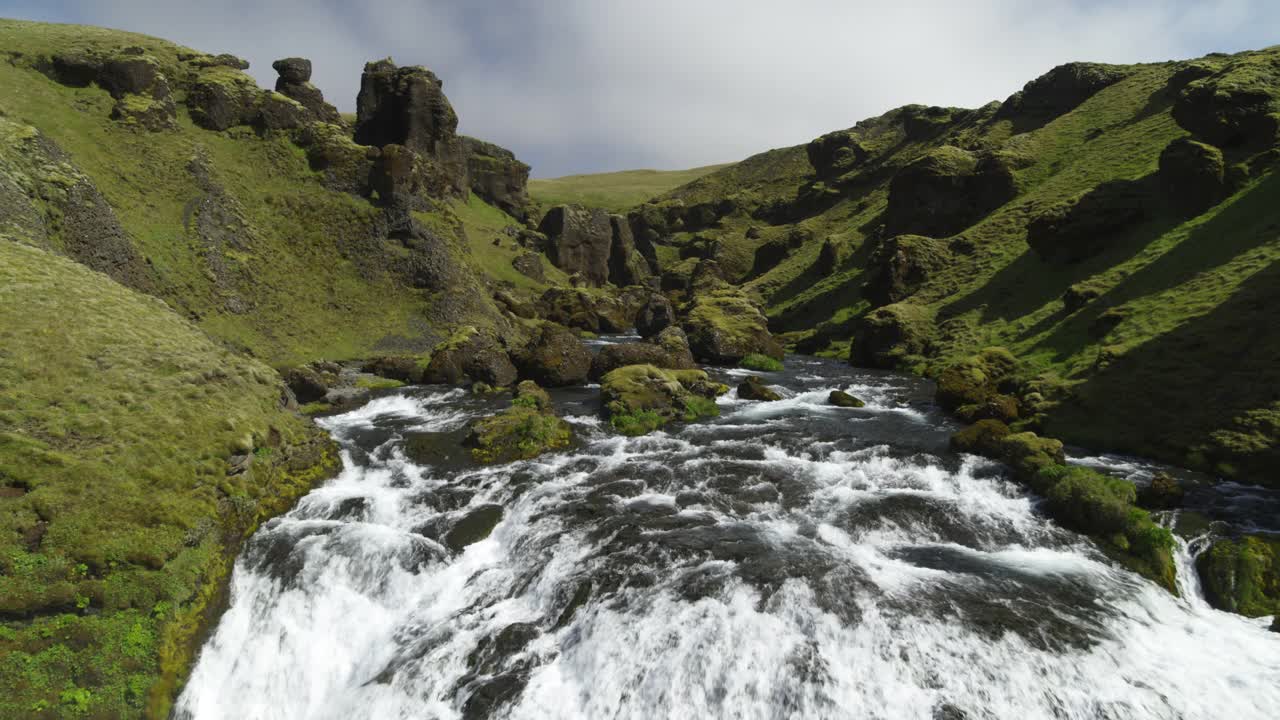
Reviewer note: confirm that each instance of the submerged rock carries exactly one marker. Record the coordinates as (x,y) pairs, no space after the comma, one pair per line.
(753,388)
(475,526)
(840,398)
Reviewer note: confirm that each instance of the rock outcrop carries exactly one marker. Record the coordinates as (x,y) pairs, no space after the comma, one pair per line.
(947,190)
(1084,226)
(579,240)
(656,315)
(724,326)
(886,337)
(525,430)
(295,83)
(626,265)
(1236,106)
(1061,90)
(641,398)
(901,265)
(134,79)
(554,357)
(470,354)
(407,106)
(498,177)
(581,309)
(669,350)
(1192,175)
(837,153)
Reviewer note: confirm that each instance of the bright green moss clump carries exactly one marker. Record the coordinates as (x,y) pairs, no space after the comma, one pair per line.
(135,453)
(761,363)
(641,398)
(525,430)
(1242,575)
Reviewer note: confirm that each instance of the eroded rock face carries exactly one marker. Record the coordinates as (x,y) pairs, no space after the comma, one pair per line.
(655,315)
(901,265)
(1061,90)
(470,355)
(626,265)
(947,190)
(835,154)
(1238,105)
(498,177)
(407,106)
(141,91)
(1192,175)
(1085,226)
(295,83)
(580,309)
(885,337)
(580,241)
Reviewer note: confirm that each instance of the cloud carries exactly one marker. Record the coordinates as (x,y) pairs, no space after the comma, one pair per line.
(588,85)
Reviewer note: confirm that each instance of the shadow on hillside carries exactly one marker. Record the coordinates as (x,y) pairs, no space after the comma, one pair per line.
(1241,226)
(1166,396)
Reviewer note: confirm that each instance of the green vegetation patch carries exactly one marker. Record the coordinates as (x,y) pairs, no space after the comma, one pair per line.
(616,191)
(761,363)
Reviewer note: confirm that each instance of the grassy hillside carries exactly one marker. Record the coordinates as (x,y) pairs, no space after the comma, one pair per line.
(234,229)
(616,191)
(1148,319)
(120,510)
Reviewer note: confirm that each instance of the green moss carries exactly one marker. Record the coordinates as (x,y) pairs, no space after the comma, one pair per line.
(642,398)
(640,422)
(519,433)
(376,383)
(761,363)
(119,428)
(612,191)
(1242,575)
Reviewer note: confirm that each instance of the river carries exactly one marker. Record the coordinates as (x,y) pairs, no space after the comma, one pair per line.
(786,560)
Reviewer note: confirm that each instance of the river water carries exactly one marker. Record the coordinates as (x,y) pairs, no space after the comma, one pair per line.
(786,560)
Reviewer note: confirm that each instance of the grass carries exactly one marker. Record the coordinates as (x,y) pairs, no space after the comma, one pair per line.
(617,191)
(121,516)
(761,363)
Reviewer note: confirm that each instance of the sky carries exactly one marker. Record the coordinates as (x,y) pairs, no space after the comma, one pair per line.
(576,86)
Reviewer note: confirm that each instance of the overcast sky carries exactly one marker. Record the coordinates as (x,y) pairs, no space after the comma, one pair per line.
(592,85)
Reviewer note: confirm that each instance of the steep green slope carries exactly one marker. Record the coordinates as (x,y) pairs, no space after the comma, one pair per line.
(243,230)
(135,454)
(615,191)
(1132,271)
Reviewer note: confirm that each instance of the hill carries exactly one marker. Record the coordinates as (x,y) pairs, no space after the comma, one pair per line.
(1116,227)
(615,191)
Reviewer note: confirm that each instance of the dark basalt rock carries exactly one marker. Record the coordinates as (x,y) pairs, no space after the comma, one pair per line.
(220,100)
(295,83)
(670,352)
(1077,296)
(725,326)
(753,388)
(1162,493)
(829,257)
(922,123)
(769,255)
(555,357)
(946,191)
(835,154)
(474,355)
(278,112)
(579,240)
(498,177)
(308,384)
(226,60)
(530,265)
(901,265)
(1080,228)
(885,337)
(626,265)
(1061,90)
(580,309)
(407,106)
(473,527)
(1192,175)
(655,315)
(330,150)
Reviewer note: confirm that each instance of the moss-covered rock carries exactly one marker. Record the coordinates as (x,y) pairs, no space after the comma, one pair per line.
(1242,575)
(221,98)
(498,177)
(981,438)
(1191,174)
(1088,224)
(754,388)
(586,310)
(642,398)
(555,357)
(761,363)
(470,354)
(835,154)
(840,398)
(885,337)
(976,380)
(1061,90)
(1237,106)
(724,326)
(526,430)
(947,190)
(1162,493)
(656,315)
(579,240)
(612,357)
(901,265)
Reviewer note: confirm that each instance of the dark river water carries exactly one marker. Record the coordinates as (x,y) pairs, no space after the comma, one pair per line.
(786,560)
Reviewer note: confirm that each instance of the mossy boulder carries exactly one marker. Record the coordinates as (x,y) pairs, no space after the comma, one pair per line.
(836,154)
(761,363)
(947,190)
(641,398)
(885,337)
(1191,174)
(627,266)
(754,388)
(221,98)
(901,265)
(344,165)
(1162,493)
(498,176)
(724,326)
(612,357)
(554,357)
(1088,224)
(920,122)
(981,438)
(470,354)
(840,398)
(526,430)
(976,380)
(1242,575)
(1237,106)
(530,265)
(579,240)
